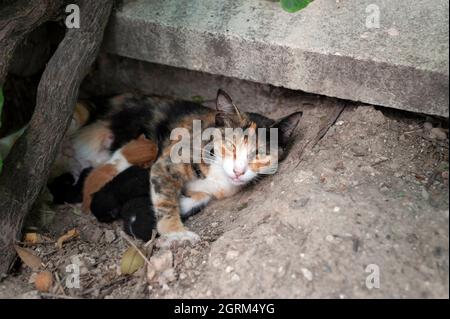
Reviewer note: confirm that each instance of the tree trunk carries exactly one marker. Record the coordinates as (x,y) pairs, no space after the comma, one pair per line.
(27,167)
(17,20)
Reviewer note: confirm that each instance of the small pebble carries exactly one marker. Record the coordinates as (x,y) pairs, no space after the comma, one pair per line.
(229,269)
(110,236)
(359,150)
(425,194)
(162,261)
(299,203)
(438,134)
(231,254)
(384,189)
(307,274)
(165,287)
(427,125)
(169,275)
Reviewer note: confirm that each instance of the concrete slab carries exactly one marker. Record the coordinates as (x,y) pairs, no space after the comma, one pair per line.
(326,48)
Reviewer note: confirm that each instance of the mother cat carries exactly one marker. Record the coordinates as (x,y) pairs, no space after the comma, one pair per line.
(178,188)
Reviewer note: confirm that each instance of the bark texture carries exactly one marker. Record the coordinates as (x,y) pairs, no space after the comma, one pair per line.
(27,167)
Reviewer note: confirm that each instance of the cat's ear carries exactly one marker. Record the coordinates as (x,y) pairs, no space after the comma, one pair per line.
(286,127)
(226,110)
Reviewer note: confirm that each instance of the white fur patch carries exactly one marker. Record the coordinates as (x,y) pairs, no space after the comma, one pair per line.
(187,204)
(119,161)
(217,182)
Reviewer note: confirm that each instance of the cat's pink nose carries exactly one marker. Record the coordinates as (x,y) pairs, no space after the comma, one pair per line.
(238,172)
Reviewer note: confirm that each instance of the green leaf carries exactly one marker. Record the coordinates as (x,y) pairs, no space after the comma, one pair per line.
(131,261)
(294,5)
(198,99)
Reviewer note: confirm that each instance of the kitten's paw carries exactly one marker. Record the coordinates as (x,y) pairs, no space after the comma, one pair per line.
(176,238)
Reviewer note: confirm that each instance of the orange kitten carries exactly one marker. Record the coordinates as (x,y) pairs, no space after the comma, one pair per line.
(140,152)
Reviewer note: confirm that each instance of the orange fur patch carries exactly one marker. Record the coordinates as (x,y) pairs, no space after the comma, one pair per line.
(220,194)
(204,168)
(165,204)
(197,196)
(95,181)
(170,224)
(256,164)
(81,113)
(141,151)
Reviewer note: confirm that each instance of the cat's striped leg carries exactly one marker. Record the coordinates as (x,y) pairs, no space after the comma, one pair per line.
(166,182)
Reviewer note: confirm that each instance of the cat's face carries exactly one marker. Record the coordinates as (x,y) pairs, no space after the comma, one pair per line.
(255,145)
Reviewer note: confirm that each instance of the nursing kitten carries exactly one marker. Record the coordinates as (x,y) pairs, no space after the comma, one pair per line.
(141,152)
(127,197)
(94,144)
(66,190)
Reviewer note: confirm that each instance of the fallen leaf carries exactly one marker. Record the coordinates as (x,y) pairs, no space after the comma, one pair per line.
(31,238)
(131,261)
(67,236)
(28,257)
(43,281)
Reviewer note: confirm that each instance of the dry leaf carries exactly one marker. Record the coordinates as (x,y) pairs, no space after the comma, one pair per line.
(31,238)
(67,236)
(43,281)
(131,261)
(28,257)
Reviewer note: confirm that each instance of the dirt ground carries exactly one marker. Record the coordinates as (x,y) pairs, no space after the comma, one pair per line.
(373,191)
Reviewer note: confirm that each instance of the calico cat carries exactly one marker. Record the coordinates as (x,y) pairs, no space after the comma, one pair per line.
(179,188)
(176,189)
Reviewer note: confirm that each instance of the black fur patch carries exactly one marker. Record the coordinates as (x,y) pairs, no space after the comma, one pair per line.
(129,122)
(127,196)
(131,183)
(197,170)
(64,189)
(138,218)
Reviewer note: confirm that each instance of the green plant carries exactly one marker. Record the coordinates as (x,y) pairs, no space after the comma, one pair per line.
(294,5)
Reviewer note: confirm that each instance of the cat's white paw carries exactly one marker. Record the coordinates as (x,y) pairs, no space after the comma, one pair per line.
(167,240)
